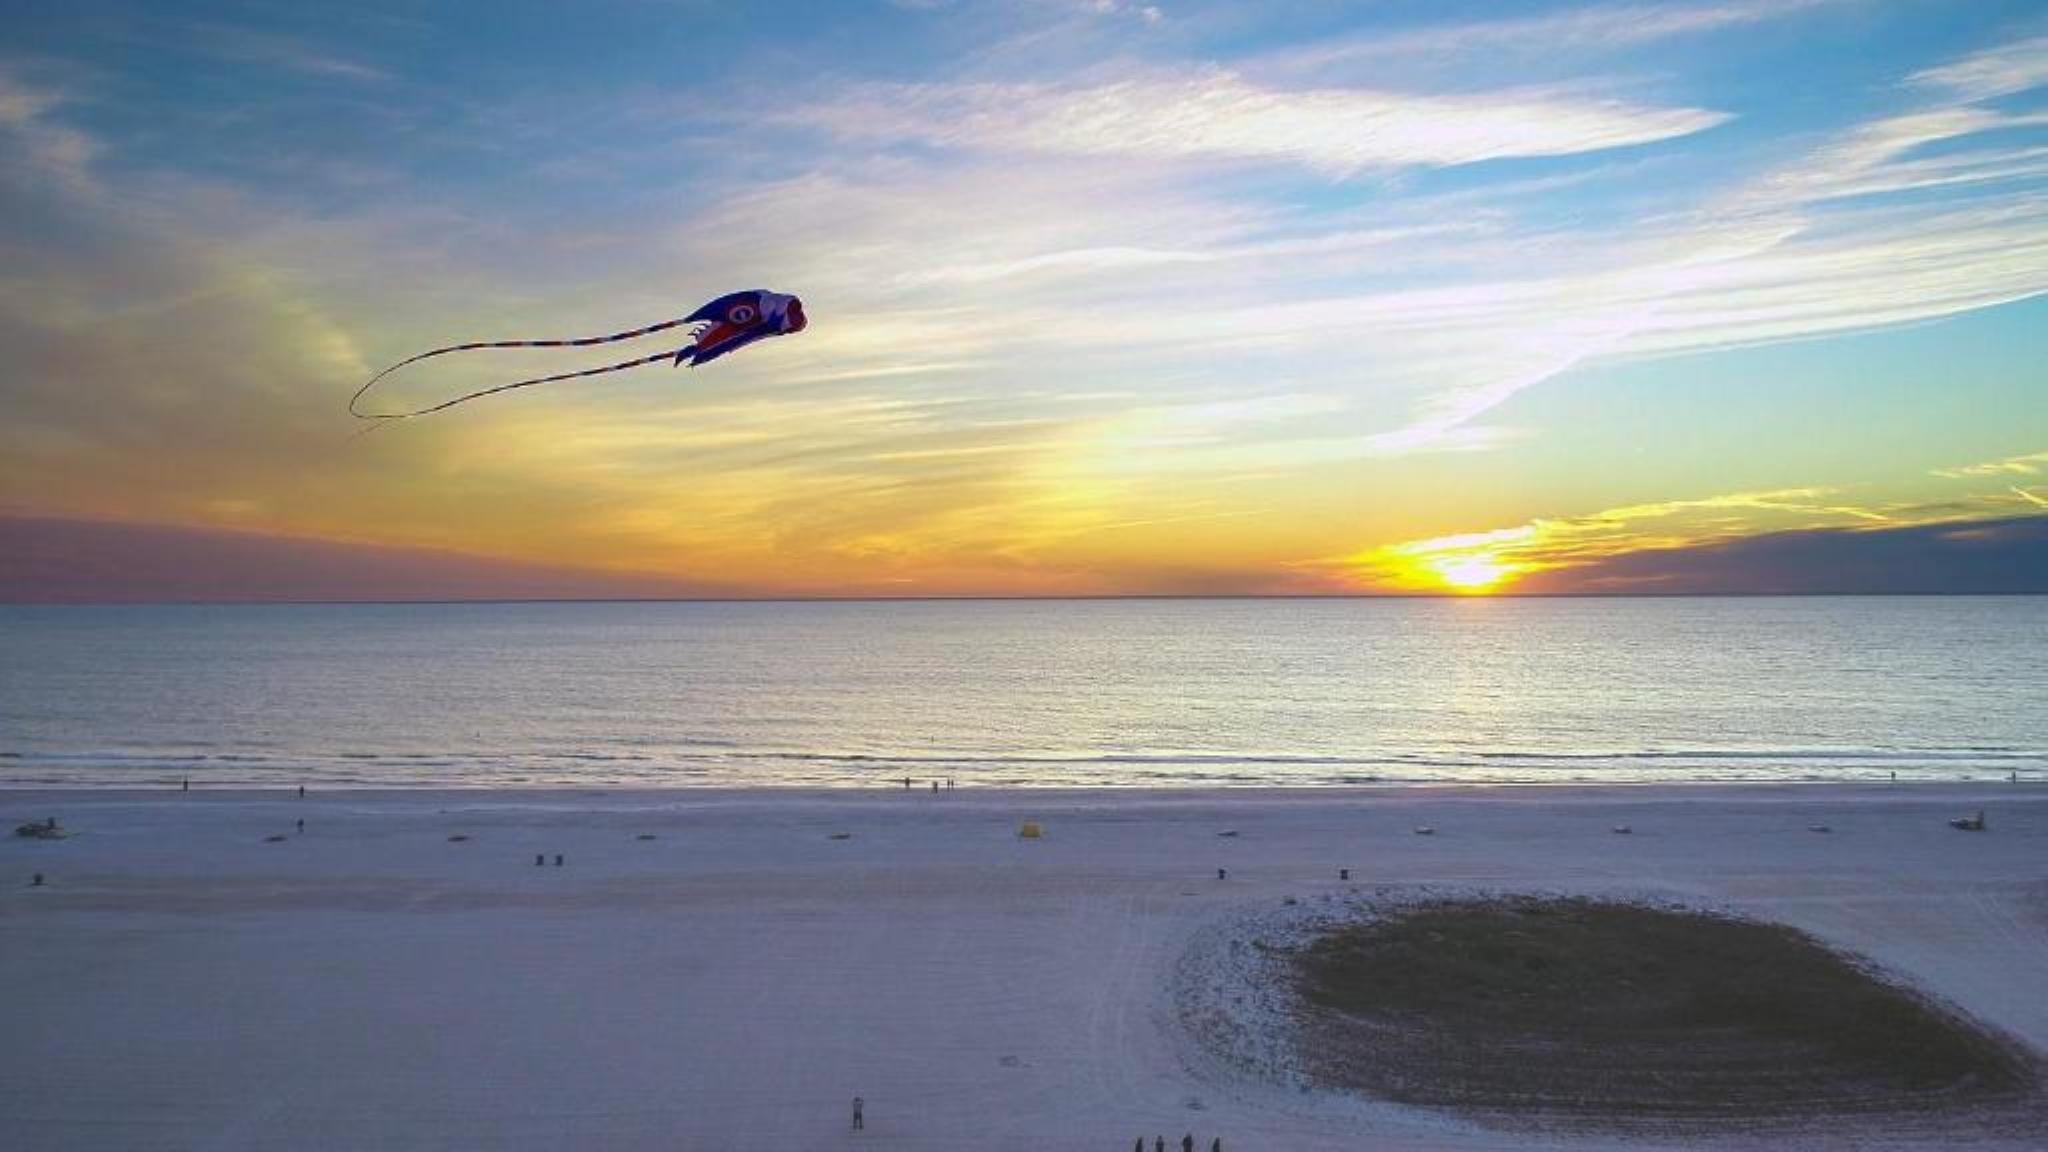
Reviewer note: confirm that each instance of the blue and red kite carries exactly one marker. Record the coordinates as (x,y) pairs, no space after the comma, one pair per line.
(726,324)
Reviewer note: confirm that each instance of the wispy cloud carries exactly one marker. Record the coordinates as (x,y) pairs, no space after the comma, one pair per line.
(1901,219)
(1149,13)
(1218,114)
(2032,464)
(46,149)
(1592,29)
(2001,71)
(273,50)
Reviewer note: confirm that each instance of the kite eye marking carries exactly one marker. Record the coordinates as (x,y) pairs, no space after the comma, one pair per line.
(742,314)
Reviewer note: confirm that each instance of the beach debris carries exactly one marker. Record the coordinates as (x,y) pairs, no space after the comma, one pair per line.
(277,839)
(1343,873)
(1030,831)
(842,836)
(1010,1062)
(1222,874)
(1969,823)
(37,882)
(1228,832)
(458,838)
(1818,828)
(1622,830)
(724,325)
(1289,901)
(1424,830)
(41,830)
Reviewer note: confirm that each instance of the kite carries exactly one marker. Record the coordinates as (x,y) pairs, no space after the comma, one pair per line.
(726,324)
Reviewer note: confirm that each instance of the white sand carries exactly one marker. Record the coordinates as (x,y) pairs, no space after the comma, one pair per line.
(181,983)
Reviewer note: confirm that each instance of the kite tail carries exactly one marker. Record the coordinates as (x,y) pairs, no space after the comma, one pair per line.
(580,342)
(619,367)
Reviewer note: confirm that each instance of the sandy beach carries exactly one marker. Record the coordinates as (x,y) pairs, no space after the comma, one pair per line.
(727,970)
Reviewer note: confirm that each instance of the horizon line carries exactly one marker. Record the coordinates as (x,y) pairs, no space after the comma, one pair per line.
(978,598)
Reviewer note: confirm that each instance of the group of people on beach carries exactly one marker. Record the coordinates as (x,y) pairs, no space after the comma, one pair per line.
(1187,1144)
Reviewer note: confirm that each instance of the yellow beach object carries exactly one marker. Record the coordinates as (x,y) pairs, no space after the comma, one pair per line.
(1030,830)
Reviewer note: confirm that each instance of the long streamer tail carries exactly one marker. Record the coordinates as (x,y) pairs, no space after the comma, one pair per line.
(581,342)
(464,399)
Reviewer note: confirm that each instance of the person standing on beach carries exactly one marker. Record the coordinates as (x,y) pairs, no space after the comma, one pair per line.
(1158,1144)
(1141,1145)
(857,1120)
(1187,1143)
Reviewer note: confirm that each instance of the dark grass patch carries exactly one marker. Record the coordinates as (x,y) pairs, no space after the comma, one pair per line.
(1563,1010)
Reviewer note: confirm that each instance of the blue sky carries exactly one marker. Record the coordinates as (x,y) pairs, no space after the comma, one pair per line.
(1106,296)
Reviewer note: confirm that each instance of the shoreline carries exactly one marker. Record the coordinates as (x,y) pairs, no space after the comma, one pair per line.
(569,798)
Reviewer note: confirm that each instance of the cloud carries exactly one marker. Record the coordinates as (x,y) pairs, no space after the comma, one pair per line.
(1598,551)
(2001,71)
(2032,464)
(1985,557)
(270,49)
(1867,230)
(1549,544)
(1216,114)
(1149,13)
(1901,219)
(1590,30)
(48,152)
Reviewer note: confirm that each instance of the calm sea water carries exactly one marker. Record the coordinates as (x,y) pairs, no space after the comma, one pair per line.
(1040,693)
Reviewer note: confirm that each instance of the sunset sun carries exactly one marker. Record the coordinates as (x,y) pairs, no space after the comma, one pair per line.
(1472,574)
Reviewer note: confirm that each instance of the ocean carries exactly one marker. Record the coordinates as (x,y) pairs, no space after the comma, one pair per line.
(1151,693)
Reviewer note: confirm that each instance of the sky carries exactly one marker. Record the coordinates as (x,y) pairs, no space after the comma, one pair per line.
(1105,298)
